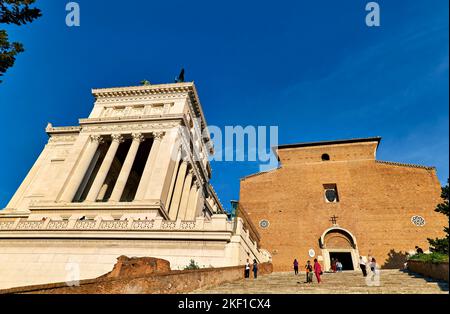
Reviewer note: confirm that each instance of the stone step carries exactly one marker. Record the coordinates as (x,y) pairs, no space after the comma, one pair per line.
(391,281)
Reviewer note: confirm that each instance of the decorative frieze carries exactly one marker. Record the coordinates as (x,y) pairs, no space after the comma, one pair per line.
(168,225)
(143,225)
(136,111)
(117,225)
(85,224)
(30,225)
(187,225)
(139,93)
(129,128)
(62,138)
(58,225)
(114,225)
(131,100)
(50,129)
(6,225)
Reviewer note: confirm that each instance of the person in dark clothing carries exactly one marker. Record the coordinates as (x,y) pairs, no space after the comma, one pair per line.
(362,265)
(419,250)
(295,267)
(373,265)
(373,268)
(333,265)
(309,272)
(255,269)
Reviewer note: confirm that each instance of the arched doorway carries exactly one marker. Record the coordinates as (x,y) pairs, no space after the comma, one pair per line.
(339,243)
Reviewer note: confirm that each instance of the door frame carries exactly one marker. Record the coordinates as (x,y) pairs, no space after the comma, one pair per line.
(326,252)
(326,257)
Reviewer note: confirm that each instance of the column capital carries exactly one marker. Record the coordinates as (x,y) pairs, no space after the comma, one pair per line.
(117,138)
(185,161)
(138,137)
(159,135)
(96,138)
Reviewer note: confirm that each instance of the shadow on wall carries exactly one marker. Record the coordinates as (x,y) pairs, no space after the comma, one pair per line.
(395,260)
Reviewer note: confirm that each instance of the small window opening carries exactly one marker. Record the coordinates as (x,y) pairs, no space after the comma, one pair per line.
(331,193)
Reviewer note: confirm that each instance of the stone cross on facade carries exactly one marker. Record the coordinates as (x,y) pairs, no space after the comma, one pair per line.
(334,220)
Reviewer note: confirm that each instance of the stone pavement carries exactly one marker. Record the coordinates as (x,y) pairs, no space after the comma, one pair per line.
(391,282)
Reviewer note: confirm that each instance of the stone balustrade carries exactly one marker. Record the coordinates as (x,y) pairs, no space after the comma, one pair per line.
(129,224)
(218,226)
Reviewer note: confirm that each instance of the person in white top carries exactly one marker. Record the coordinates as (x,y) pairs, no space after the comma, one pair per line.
(247,269)
(339,266)
(362,265)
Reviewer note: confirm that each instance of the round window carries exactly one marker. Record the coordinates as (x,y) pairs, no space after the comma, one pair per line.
(325,157)
(418,221)
(264,224)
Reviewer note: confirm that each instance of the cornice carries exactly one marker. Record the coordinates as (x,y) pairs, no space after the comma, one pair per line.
(400,164)
(126,91)
(136,119)
(62,130)
(135,127)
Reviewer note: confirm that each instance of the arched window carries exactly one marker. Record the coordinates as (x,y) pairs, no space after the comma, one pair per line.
(325,157)
(331,193)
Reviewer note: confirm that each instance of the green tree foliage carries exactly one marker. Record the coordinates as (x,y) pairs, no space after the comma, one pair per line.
(441,245)
(192,266)
(15,12)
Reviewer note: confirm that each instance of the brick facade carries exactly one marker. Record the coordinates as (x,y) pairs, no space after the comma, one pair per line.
(376,203)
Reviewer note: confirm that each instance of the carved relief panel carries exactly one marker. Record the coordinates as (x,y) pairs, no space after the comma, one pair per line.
(137,110)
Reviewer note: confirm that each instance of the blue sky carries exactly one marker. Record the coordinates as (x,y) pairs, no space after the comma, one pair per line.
(313,68)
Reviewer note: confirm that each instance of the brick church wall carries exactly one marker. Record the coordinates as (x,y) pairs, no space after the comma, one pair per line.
(376,203)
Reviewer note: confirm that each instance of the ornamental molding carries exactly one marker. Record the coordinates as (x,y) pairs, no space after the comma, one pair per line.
(140,101)
(130,128)
(6,225)
(62,138)
(58,225)
(152,92)
(96,138)
(399,164)
(60,130)
(117,138)
(147,90)
(159,135)
(138,137)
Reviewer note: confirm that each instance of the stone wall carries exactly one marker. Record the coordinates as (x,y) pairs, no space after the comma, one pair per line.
(131,267)
(37,252)
(436,271)
(166,283)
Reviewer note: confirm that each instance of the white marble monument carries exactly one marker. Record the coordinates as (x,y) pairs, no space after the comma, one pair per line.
(132,179)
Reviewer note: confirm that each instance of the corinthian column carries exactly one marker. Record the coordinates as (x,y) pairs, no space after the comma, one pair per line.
(81,168)
(176,166)
(126,168)
(145,178)
(178,190)
(104,168)
(185,196)
(192,203)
